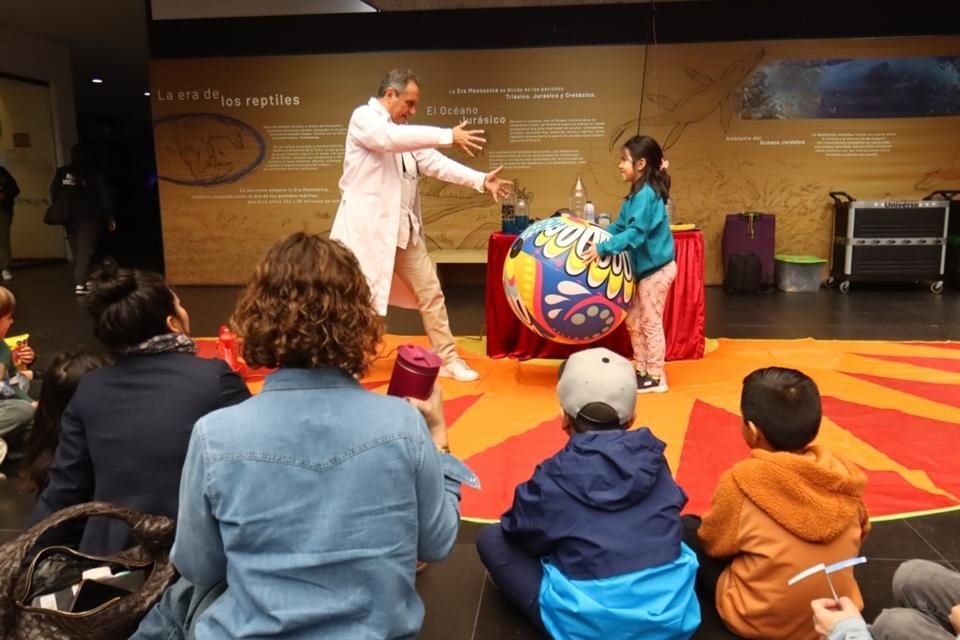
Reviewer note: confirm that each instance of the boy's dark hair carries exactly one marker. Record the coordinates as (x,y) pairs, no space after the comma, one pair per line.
(128,306)
(784,404)
(595,416)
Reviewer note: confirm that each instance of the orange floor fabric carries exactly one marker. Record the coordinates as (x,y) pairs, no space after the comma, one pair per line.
(893,408)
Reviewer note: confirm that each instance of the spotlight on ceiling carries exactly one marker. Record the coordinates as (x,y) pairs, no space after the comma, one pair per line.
(97,81)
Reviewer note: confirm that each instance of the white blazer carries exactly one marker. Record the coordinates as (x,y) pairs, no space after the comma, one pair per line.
(369,216)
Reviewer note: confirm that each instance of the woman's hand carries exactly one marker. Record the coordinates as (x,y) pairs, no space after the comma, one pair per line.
(590,254)
(432,411)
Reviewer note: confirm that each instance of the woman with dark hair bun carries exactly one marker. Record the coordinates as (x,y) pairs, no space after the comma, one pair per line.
(124,434)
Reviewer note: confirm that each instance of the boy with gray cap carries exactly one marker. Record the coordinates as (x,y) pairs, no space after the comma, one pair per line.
(591,547)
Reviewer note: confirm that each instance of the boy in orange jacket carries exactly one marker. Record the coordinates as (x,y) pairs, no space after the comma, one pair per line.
(789,506)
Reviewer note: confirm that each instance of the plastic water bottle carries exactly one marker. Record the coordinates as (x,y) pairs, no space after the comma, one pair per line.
(507,220)
(578,198)
(522,218)
(589,212)
(669,208)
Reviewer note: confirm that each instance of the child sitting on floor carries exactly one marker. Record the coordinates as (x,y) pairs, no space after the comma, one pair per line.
(16,406)
(789,506)
(592,545)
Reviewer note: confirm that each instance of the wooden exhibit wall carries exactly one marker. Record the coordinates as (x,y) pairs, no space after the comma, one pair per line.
(250,148)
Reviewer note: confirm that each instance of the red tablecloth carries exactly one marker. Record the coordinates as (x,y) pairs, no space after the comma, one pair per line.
(683,316)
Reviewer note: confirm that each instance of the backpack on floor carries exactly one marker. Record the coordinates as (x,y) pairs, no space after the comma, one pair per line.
(743,274)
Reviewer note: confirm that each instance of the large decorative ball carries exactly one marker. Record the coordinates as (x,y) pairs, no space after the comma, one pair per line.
(555,293)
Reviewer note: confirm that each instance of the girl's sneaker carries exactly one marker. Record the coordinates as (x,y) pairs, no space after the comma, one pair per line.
(650,384)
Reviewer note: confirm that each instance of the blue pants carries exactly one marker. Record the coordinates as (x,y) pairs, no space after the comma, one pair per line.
(175,616)
(514,571)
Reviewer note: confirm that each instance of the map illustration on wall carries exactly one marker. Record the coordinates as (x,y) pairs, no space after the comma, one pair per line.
(206,149)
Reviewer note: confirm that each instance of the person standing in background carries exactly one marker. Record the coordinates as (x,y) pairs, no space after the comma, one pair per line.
(9,190)
(89,210)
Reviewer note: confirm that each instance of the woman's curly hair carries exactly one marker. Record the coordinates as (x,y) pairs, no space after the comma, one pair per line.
(308,305)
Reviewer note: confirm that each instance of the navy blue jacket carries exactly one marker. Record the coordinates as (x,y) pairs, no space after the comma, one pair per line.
(604,505)
(124,437)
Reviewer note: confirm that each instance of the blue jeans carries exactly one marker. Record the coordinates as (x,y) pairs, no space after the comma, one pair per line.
(175,616)
(514,571)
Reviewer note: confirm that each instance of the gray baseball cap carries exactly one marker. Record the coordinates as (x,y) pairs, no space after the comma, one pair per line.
(598,375)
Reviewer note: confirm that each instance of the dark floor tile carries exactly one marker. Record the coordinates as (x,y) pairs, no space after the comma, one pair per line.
(896,540)
(942,532)
(874,579)
(816,315)
(497,619)
(755,331)
(849,331)
(14,508)
(451,594)
(469,532)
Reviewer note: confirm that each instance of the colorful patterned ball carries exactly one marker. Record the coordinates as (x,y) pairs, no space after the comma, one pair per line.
(555,293)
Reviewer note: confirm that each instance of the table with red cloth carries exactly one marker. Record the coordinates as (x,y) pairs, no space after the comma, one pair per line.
(683,315)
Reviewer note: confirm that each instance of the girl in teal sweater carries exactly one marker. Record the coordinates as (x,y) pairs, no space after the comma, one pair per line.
(643,231)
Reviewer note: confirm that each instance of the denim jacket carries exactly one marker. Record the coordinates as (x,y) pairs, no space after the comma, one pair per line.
(314,500)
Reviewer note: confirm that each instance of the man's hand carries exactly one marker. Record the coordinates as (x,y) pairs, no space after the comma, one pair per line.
(955,618)
(827,612)
(469,140)
(432,411)
(497,186)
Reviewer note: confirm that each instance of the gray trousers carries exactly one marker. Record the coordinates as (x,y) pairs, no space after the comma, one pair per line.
(925,592)
(83,245)
(15,415)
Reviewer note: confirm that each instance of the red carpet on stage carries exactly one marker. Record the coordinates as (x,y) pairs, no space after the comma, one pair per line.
(893,408)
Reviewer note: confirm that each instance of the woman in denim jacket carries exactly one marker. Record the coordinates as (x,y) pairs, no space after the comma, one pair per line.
(313,500)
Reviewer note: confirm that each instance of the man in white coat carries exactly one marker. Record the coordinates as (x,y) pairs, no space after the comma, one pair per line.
(379,215)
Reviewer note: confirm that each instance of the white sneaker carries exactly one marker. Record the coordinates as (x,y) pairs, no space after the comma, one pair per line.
(6,274)
(3,450)
(459,371)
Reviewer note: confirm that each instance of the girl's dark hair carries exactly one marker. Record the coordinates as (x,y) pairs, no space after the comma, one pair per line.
(128,306)
(59,384)
(659,180)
